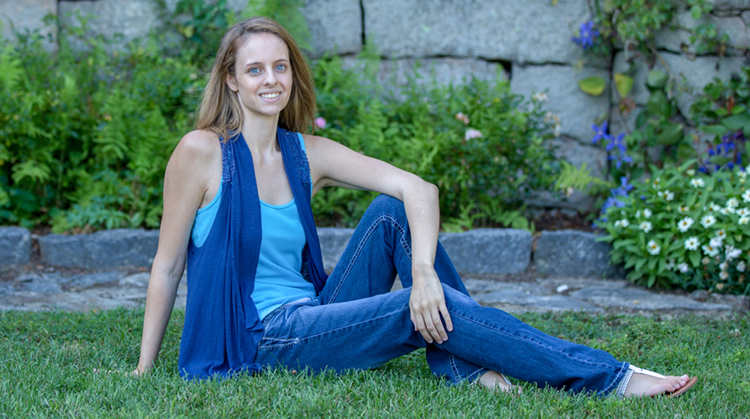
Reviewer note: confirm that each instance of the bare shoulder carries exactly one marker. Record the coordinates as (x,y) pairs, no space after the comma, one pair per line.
(198,145)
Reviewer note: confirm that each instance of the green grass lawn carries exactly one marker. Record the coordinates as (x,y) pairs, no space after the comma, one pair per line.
(47,361)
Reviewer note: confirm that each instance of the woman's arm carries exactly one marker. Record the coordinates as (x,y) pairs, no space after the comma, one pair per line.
(190,182)
(332,164)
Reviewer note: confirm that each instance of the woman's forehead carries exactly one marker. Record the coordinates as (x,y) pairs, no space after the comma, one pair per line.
(262,47)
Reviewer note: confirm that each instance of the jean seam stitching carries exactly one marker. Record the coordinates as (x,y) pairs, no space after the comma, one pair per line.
(380,219)
(541,344)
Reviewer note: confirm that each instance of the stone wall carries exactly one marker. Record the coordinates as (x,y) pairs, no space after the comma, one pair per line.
(527,41)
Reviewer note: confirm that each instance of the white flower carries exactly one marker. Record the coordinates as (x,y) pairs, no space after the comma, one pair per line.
(746,196)
(697,183)
(724,275)
(656,182)
(692,243)
(622,223)
(645,226)
(684,224)
(669,196)
(540,97)
(708,220)
(647,213)
(638,214)
(683,267)
(661,194)
(713,207)
(744,220)
(721,234)
(727,211)
(653,248)
(741,265)
(705,261)
(723,266)
(733,203)
(683,209)
(732,253)
(710,250)
(472,133)
(715,242)
(743,174)
(743,211)
(670,264)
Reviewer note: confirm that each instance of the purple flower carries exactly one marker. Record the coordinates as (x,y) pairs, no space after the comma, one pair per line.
(617,142)
(320,122)
(601,132)
(588,35)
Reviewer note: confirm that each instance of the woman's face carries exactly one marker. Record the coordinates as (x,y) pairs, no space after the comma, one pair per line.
(263,75)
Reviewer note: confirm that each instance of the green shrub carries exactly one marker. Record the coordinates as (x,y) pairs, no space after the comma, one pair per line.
(85,135)
(482,180)
(684,228)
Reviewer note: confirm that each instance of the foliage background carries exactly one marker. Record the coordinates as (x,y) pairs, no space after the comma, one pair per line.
(87,132)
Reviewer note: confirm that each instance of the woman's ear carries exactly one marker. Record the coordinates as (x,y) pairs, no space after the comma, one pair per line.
(231,82)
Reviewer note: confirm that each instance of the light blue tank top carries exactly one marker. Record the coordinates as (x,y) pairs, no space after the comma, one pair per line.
(278,279)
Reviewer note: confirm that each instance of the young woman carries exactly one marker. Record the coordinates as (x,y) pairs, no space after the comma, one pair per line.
(237,208)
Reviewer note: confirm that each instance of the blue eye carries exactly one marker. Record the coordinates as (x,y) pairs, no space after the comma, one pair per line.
(280,67)
(254,70)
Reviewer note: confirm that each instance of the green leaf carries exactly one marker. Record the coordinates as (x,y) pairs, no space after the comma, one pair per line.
(4,197)
(684,151)
(695,258)
(719,160)
(651,280)
(658,105)
(736,122)
(713,129)
(593,85)
(652,263)
(670,135)
(640,263)
(746,130)
(696,12)
(657,79)
(624,84)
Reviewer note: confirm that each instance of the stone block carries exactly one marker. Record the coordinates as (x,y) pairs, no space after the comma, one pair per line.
(698,73)
(26,15)
(489,251)
(518,302)
(576,109)
(570,253)
(724,5)
(636,299)
(333,242)
(444,71)
(673,40)
(510,30)
(746,17)
(101,250)
(335,25)
(15,246)
(132,19)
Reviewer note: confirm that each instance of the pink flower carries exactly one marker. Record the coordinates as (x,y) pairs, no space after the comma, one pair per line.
(320,122)
(463,118)
(472,133)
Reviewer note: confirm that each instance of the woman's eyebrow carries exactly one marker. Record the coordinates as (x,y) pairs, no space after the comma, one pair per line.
(280,60)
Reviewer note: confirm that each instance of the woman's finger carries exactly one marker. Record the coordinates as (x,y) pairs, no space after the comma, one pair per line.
(439,329)
(422,327)
(446,317)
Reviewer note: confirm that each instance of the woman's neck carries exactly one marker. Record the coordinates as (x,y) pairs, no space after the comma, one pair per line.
(260,133)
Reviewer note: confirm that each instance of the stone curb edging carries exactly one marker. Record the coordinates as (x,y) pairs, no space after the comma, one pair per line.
(563,253)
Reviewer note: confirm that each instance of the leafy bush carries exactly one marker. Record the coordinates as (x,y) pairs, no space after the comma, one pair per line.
(684,228)
(482,145)
(86,135)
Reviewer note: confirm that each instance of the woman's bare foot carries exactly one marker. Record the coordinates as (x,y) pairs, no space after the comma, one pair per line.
(642,384)
(496,381)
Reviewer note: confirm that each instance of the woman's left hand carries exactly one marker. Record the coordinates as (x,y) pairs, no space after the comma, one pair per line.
(427,304)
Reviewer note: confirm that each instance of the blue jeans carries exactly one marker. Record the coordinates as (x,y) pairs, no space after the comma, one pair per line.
(356,323)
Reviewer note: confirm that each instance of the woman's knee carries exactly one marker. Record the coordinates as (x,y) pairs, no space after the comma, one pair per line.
(386,205)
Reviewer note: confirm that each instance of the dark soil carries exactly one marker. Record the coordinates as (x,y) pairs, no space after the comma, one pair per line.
(557,219)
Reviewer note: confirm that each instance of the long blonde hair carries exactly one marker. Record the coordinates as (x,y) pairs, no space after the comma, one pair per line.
(220,110)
